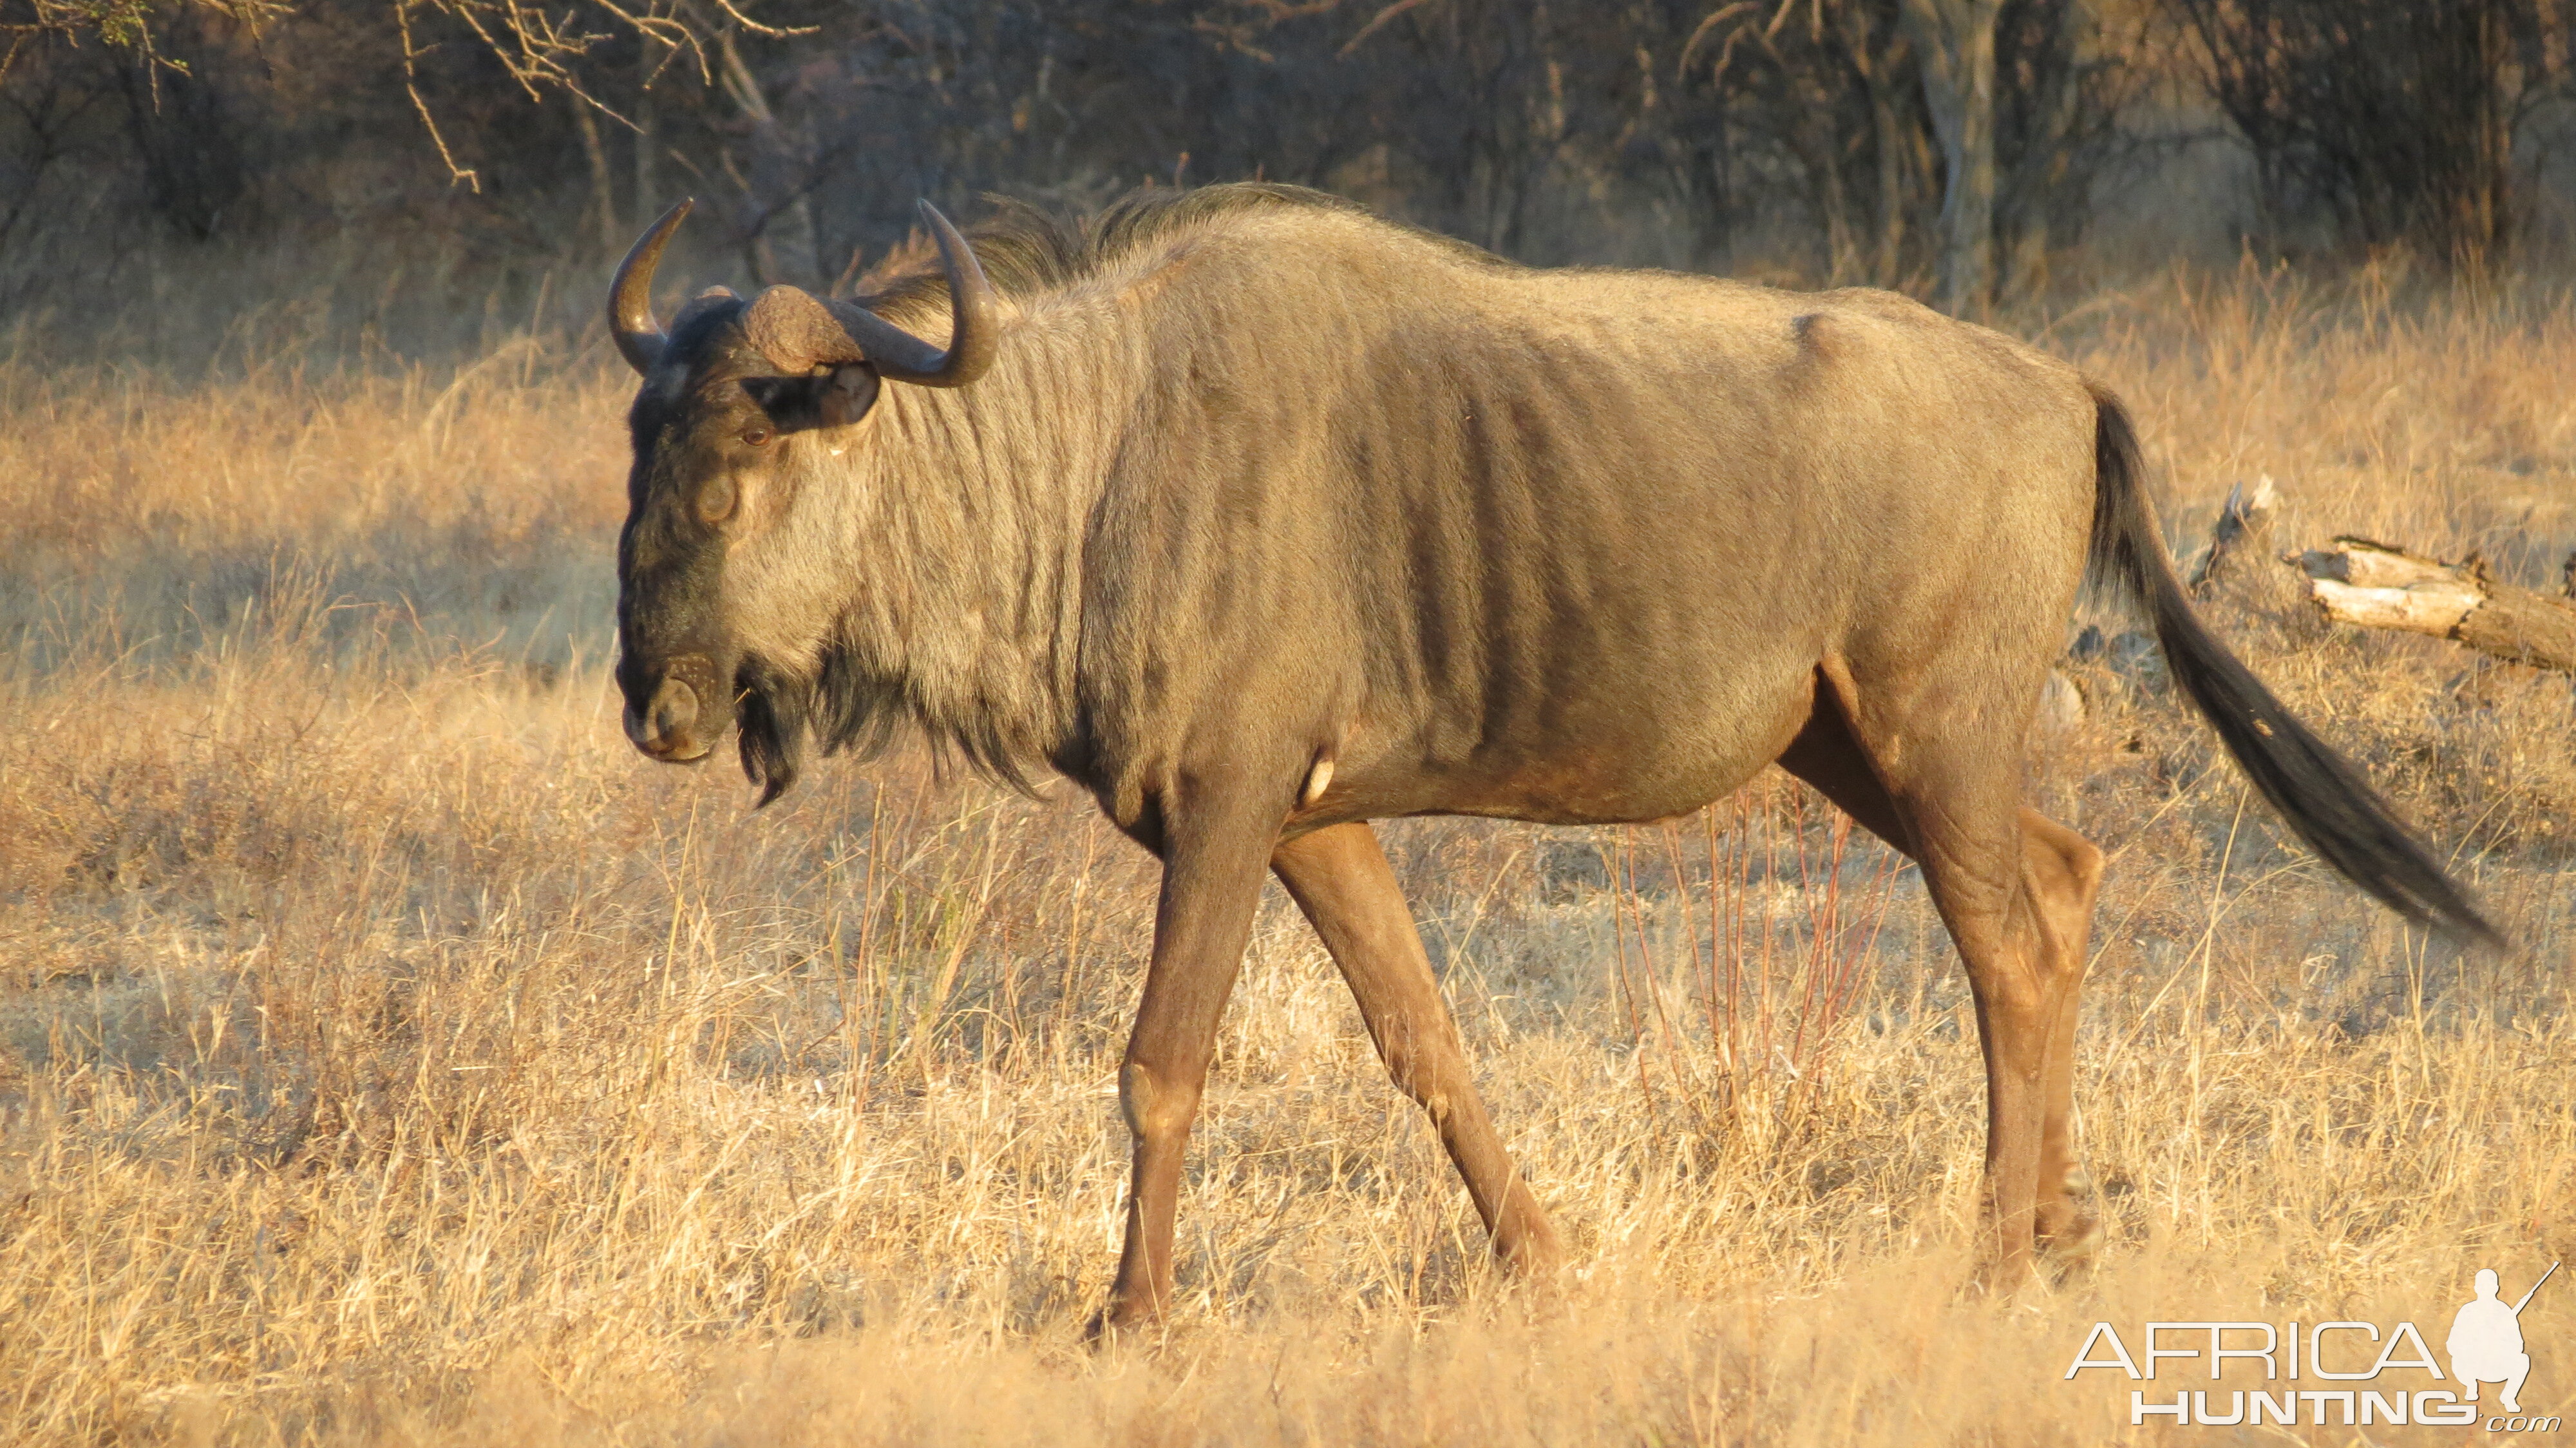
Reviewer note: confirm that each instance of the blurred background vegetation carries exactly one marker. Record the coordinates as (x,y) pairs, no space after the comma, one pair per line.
(407,171)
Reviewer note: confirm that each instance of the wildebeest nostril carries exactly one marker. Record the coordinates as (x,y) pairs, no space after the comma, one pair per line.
(674,708)
(663,727)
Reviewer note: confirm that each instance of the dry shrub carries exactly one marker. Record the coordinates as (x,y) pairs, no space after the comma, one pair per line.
(387,1055)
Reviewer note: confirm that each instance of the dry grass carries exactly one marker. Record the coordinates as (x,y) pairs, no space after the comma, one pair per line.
(388,1055)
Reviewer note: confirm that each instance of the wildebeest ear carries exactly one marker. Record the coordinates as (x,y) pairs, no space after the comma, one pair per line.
(847,394)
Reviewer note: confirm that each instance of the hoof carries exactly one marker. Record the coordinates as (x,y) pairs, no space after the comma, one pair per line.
(1114,1323)
(2070,1236)
(1101,1334)
(2075,1245)
(2003,1279)
(1534,1263)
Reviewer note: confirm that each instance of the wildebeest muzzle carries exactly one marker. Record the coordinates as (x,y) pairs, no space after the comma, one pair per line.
(677,709)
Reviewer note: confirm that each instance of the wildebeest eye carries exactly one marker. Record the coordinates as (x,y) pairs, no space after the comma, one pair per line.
(755,435)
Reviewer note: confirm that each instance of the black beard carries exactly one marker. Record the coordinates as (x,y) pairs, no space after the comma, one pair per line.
(778,713)
(771,713)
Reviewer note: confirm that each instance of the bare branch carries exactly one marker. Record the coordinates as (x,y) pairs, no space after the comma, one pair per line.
(1380,21)
(1700,33)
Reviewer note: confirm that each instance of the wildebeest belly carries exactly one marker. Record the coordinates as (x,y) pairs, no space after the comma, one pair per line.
(1624,743)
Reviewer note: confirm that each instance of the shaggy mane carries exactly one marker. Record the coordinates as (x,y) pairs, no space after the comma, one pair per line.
(1027,251)
(843,707)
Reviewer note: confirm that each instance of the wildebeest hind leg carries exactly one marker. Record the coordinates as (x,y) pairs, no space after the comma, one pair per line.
(1939,789)
(2062,872)
(1341,879)
(1971,849)
(1215,840)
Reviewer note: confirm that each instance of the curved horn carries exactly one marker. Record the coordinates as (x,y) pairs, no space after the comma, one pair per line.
(798,331)
(630,295)
(973,332)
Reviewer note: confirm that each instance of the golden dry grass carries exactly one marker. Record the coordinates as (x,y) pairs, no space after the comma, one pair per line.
(388,1055)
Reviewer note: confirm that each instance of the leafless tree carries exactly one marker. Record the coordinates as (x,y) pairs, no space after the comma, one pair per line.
(2388,121)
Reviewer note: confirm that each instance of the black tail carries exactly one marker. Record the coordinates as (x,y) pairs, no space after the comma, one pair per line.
(2317,790)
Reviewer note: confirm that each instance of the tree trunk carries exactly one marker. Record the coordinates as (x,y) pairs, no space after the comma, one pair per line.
(2372,585)
(1957,41)
(648,200)
(1889,137)
(603,191)
(1880,85)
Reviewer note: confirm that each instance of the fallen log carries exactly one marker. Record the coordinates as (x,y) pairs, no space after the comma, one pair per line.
(2372,585)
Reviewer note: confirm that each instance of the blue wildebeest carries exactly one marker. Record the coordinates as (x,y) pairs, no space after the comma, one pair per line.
(1260,519)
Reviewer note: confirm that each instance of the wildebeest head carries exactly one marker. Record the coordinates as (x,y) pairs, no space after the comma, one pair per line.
(742,404)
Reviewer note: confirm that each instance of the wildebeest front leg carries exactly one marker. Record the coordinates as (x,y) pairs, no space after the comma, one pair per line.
(1216,841)
(1341,879)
